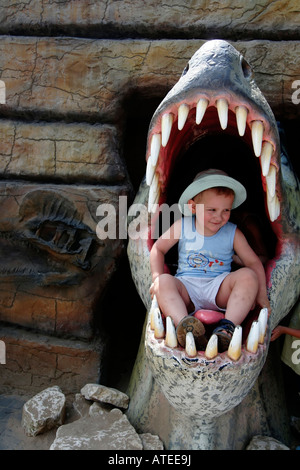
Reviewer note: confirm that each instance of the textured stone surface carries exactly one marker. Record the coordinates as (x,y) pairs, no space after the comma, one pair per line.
(35,361)
(70,152)
(92,77)
(265,443)
(137,17)
(60,280)
(107,431)
(151,442)
(44,411)
(105,395)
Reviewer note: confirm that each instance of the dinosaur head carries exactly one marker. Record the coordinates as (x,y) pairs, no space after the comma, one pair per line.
(216,117)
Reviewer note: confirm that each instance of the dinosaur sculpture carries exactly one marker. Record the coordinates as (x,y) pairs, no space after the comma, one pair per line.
(214,116)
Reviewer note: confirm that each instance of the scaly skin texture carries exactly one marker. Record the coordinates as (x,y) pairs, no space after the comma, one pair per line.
(191,403)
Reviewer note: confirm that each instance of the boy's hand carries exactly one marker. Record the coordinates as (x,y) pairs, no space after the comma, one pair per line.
(151,290)
(263,301)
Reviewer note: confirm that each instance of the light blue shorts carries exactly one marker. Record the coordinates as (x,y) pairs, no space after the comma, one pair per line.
(203,291)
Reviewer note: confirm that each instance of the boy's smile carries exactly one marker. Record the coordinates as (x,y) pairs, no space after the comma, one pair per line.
(217,208)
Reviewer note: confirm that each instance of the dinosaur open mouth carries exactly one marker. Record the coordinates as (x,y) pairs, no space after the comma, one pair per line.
(186,125)
(217,130)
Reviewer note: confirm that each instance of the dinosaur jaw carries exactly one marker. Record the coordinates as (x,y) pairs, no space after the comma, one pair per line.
(207,384)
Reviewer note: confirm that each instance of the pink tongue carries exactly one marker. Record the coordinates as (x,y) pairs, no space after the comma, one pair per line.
(209,316)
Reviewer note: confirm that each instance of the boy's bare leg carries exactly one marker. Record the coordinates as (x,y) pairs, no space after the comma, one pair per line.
(237,294)
(172,297)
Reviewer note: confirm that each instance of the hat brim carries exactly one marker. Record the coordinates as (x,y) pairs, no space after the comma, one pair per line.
(208,182)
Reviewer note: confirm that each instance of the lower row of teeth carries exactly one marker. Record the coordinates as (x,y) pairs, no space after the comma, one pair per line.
(256,336)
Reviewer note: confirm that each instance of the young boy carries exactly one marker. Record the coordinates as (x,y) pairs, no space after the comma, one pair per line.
(206,244)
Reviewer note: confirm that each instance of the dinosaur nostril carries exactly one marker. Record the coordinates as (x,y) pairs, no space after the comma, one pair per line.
(186,69)
(246,68)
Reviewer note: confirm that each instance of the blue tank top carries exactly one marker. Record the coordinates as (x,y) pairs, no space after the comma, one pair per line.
(200,256)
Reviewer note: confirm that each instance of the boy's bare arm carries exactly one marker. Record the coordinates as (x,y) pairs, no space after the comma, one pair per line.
(251,260)
(161,247)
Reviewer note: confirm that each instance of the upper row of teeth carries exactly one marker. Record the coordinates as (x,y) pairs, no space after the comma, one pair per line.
(262,149)
(256,336)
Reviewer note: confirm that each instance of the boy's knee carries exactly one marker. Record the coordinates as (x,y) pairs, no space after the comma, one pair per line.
(249,277)
(161,281)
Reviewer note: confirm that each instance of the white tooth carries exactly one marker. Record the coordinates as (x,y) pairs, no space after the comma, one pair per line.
(241,119)
(153,193)
(152,314)
(277,207)
(252,340)
(262,321)
(166,127)
(153,207)
(257,131)
(265,158)
(271,203)
(183,112)
(154,305)
(211,350)
(222,107)
(271,180)
(235,346)
(171,338)
(190,347)
(155,148)
(159,329)
(200,109)
(150,170)
(273,206)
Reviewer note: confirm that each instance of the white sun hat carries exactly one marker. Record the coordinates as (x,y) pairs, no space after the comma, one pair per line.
(210,179)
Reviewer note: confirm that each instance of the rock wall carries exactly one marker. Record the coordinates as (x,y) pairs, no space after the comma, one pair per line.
(82,80)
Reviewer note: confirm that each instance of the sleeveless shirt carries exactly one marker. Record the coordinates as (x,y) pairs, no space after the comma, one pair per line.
(200,256)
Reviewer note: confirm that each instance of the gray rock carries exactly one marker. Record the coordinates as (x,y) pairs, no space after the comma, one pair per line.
(265,443)
(104,394)
(151,442)
(102,431)
(44,411)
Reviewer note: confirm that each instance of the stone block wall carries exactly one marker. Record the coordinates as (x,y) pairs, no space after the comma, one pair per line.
(82,80)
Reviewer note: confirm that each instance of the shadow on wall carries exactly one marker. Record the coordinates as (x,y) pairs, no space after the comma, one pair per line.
(122,311)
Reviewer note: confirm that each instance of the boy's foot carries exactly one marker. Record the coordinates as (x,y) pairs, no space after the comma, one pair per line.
(224,332)
(194,325)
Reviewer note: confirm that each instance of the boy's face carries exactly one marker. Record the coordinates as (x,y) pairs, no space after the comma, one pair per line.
(217,208)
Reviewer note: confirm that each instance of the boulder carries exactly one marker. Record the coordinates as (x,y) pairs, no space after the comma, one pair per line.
(104,394)
(44,411)
(151,442)
(101,431)
(265,443)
